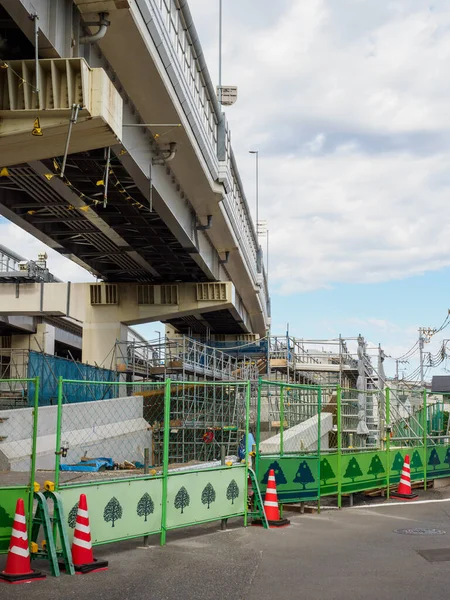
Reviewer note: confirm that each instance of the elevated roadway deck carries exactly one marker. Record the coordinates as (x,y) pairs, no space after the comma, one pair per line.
(180,221)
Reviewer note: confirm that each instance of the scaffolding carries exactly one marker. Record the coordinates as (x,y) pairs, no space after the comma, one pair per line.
(312,362)
(326,364)
(204,417)
(183,359)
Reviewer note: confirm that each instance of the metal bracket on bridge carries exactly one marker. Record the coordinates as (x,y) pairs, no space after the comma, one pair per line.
(207,226)
(225,261)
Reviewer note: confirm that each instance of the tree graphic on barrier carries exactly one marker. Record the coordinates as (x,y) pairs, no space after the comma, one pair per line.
(232,491)
(376,467)
(6,519)
(145,506)
(279,475)
(434,459)
(113,511)
(447,457)
(208,495)
(397,465)
(304,475)
(326,471)
(416,461)
(182,499)
(72,517)
(353,470)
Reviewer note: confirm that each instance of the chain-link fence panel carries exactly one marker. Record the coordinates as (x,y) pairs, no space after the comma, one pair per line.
(18,430)
(205,417)
(291,420)
(116,436)
(362,419)
(19,401)
(407,418)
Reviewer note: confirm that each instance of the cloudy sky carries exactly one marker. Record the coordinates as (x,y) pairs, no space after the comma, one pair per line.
(347,103)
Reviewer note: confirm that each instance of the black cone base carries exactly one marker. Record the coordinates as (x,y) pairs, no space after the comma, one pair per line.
(279,523)
(34,575)
(404,496)
(97,565)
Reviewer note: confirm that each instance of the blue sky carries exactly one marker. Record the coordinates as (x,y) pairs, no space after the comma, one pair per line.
(384,313)
(347,103)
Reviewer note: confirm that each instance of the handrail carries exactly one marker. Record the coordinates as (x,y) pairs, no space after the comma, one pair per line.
(173,24)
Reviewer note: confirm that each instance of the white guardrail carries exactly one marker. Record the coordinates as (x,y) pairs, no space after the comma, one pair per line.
(173,32)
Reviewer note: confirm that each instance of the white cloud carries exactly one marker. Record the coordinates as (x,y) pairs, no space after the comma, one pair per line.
(24,244)
(347,102)
(316,144)
(356,218)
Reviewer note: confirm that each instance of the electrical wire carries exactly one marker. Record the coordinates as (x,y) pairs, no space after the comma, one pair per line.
(445,324)
(408,353)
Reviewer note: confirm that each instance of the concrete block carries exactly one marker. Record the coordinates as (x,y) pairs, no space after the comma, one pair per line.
(441,483)
(112,428)
(301,437)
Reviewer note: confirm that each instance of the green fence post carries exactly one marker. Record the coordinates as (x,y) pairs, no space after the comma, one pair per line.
(58,432)
(425,435)
(165,461)
(339,444)
(33,453)
(281,420)
(247,431)
(387,430)
(258,425)
(319,427)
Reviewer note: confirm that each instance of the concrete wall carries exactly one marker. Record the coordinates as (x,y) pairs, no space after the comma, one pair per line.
(111,428)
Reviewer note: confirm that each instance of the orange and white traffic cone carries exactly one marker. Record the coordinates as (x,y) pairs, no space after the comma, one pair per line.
(18,565)
(82,554)
(271,503)
(404,487)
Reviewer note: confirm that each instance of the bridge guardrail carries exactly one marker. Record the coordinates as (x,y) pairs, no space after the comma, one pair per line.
(174,34)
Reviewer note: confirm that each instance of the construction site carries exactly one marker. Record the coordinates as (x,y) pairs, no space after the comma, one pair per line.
(116,159)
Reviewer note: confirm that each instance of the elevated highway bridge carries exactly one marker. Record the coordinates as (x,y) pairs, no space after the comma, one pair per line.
(134,177)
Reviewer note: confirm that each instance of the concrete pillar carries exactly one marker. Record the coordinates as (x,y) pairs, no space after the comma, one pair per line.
(99,344)
(41,341)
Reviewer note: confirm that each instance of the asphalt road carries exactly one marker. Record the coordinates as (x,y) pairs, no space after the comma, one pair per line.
(348,554)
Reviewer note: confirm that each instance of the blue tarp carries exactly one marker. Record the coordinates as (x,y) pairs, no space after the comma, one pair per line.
(50,368)
(93,465)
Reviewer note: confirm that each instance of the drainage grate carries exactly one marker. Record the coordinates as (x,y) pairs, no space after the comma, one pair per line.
(420,531)
(436,555)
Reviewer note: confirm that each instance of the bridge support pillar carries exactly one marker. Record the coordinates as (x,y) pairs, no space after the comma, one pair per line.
(101,344)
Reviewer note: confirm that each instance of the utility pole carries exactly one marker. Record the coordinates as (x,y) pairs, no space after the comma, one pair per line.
(425,334)
(399,362)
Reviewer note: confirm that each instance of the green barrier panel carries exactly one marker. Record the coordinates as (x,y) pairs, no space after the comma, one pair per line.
(329,474)
(8,501)
(397,458)
(296,476)
(206,495)
(363,471)
(118,510)
(438,461)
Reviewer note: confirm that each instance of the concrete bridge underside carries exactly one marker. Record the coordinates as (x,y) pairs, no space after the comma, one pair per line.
(104,310)
(151,229)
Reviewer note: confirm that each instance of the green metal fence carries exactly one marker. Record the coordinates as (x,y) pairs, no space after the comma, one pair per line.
(159,456)
(164,456)
(333,441)
(152,458)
